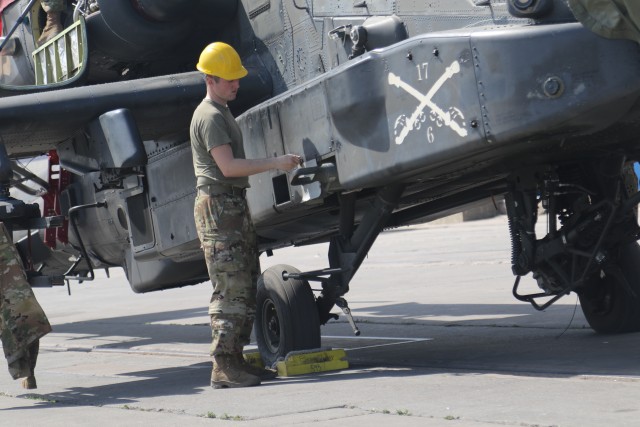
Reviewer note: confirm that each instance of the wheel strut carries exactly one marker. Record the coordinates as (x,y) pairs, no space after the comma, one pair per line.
(349,248)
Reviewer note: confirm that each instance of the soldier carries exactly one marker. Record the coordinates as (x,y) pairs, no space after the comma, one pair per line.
(53,26)
(22,321)
(222,218)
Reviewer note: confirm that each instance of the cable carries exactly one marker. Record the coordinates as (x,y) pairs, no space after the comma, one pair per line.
(575,307)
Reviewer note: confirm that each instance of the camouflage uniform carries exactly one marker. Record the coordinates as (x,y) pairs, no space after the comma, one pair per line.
(22,321)
(229,243)
(225,230)
(615,19)
(52,5)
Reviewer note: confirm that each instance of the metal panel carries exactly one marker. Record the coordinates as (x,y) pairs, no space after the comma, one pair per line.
(404,109)
(307,61)
(259,127)
(342,7)
(305,123)
(171,182)
(441,6)
(298,123)
(281,50)
(266,18)
(535,93)
(140,223)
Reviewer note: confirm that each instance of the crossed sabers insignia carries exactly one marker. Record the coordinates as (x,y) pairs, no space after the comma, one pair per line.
(425,101)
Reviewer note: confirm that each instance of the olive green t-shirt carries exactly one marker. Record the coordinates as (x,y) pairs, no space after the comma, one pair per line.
(213,125)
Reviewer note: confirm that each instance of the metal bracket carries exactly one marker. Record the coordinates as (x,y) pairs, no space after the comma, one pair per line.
(315,275)
(531,298)
(340,32)
(325,173)
(342,303)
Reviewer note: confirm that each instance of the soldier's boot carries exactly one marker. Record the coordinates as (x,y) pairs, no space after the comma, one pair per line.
(32,356)
(228,373)
(262,373)
(52,28)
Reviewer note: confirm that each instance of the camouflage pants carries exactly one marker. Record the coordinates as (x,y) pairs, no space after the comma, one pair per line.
(229,242)
(22,320)
(52,5)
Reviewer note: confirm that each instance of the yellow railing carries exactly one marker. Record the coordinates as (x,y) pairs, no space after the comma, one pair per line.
(62,57)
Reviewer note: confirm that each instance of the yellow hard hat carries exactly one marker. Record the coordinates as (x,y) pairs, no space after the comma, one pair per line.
(221,60)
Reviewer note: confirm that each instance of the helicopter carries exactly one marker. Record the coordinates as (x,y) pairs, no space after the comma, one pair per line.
(402,110)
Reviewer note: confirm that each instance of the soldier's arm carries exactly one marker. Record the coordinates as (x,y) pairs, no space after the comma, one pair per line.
(232,167)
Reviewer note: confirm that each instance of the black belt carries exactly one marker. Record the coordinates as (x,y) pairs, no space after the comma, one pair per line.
(214,189)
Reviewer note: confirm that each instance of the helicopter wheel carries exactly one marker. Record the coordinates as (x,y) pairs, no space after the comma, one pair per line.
(286,315)
(611,303)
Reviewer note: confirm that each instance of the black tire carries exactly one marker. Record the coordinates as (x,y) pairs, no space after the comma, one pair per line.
(607,303)
(286,315)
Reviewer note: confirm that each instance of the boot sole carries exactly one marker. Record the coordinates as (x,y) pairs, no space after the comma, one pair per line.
(225,384)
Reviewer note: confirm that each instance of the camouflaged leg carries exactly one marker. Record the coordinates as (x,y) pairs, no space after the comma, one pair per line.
(230,310)
(228,240)
(22,320)
(245,329)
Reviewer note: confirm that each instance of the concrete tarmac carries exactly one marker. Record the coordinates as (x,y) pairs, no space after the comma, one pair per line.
(443,343)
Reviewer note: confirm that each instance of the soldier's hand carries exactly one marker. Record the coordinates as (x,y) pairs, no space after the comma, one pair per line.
(289,161)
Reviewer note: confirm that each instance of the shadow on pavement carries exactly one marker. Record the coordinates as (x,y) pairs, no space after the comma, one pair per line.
(504,338)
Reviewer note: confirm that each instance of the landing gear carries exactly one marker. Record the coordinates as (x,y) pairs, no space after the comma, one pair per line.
(611,300)
(590,247)
(286,315)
